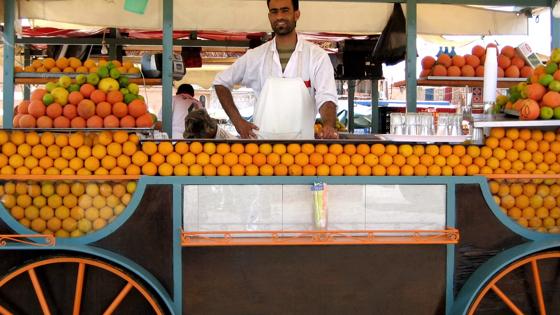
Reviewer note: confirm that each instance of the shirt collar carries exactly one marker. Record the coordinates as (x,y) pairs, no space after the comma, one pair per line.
(299,45)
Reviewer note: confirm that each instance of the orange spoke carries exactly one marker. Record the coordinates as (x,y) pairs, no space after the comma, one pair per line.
(506,300)
(4,311)
(39,292)
(79,289)
(538,286)
(118,299)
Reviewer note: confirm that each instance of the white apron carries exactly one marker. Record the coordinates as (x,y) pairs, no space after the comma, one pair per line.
(285,109)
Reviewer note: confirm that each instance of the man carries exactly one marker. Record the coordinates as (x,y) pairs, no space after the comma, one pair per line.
(293,79)
(182,103)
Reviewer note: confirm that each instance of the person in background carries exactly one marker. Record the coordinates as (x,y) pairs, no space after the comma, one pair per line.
(293,80)
(182,103)
(199,125)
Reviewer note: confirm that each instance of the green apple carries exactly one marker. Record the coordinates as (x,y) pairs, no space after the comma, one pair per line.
(133,88)
(103,72)
(551,67)
(123,81)
(74,87)
(51,86)
(81,79)
(557,113)
(129,98)
(554,86)
(93,79)
(48,99)
(555,56)
(114,73)
(545,79)
(546,112)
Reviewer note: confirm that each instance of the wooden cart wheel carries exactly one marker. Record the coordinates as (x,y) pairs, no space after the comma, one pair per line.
(527,286)
(77,298)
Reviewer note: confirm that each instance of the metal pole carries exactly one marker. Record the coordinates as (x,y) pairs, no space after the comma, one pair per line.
(375,123)
(26,62)
(411,56)
(351,91)
(555,31)
(8,88)
(167,79)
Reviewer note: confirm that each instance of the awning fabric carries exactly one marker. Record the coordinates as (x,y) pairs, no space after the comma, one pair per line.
(251,16)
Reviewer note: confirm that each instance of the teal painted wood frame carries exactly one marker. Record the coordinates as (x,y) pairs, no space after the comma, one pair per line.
(167,57)
(8,57)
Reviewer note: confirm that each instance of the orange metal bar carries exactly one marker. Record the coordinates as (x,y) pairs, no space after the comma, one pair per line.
(538,286)
(506,300)
(79,289)
(521,176)
(334,237)
(68,177)
(4,311)
(117,301)
(39,292)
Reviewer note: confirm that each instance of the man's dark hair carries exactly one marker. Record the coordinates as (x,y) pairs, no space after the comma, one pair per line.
(199,125)
(295,4)
(185,89)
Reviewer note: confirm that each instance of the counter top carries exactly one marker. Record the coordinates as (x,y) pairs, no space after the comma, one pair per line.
(501,120)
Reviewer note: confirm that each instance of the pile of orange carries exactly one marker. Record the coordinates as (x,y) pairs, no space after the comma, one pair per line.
(534,204)
(66,209)
(74,65)
(68,154)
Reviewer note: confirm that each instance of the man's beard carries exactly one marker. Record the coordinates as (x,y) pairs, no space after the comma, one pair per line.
(285,29)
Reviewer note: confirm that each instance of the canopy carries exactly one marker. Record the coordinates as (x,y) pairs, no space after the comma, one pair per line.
(250,16)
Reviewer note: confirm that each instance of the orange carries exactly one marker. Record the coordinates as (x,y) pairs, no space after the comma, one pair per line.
(537,134)
(265,148)
(362,149)
(512,133)
(336,148)
(302,159)
(293,148)
(349,149)
(363,170)
(538,157)
(336,170)
(440,161)
(385,160)
(139,158)
(280,170)
(473,169)
(164,148)
(279,148)
(480,161)
(316,159)
(493,163)
(194,170)
(307,148)
(426,160)
(419,150)
(420,170)
(266,170)
(544,146)
(231,159)
(356,160)
(194,147)
(525,156)
(466,160)
(405,150)
(446,170)
(222,148)
(379,170)
(499,153)
(445,150)
(287,159)
(412,160)
(329,159)
(460,170)
(506,143)
(165,169)
(393,170)
(343,159)
(555,147)
(173,158)
(370,160)
(180,147)
(391,149)
(453,160)
(223,170)
(377,149)
(149,148)
(513,155)
(238,170)
(209,169)
(492,142)
(497,132)
(407,170)
(309,170)
(216,159)
(296,170)
(201,159)
(459,150)
(245,159)
(237,148)
(486,152)
(273,159)
(259,159)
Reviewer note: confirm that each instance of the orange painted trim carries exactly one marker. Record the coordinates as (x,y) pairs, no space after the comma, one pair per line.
(79,289)
(39,292)
(118,299)
(506,300)
(334,237)
(521,176)
(474,306)
(49,240)
(4,311)
(538,286)
(69,177)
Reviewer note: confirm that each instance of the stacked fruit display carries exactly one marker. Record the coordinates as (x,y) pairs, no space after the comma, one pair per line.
(66,209)
(512,151)
(510,64)
(103,99)
(533,203)
(540,96)
(75,65)
(74,154)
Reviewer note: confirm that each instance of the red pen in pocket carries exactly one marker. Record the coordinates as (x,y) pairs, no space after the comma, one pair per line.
(307,83)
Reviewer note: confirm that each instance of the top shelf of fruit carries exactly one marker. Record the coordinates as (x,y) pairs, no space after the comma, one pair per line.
(97,99)
(46,70)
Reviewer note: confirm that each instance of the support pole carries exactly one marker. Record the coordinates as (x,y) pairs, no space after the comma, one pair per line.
(8,55)
(167,79)
(375,123)
(555,31)
(411,56)
(351,92)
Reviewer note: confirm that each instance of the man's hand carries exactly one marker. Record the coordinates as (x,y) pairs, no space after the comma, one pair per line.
(328,132)
(245,129)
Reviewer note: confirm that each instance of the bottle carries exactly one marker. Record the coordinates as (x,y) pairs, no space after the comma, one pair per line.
(490,79)
(446,51)
(452,53)
(440,51)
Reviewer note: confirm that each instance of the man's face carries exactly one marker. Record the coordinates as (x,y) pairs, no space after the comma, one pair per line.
(282,16)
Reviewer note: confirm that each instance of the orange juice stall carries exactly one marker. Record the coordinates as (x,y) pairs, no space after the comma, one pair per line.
(99,216)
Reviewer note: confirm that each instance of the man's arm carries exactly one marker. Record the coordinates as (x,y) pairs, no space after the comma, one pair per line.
(243,127)
(328,117)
